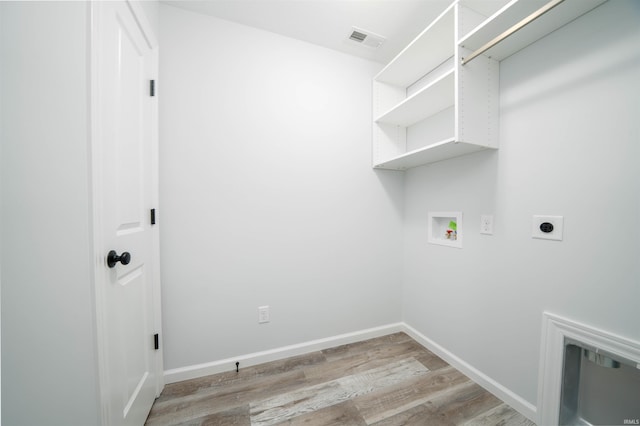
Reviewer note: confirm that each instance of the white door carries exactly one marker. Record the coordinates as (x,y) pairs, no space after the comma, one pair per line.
(125,191)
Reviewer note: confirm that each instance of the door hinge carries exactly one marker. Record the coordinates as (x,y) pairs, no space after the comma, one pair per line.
(153,216)
(156,341)
(152,88)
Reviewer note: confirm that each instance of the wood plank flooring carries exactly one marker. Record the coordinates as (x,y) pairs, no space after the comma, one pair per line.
(386,381)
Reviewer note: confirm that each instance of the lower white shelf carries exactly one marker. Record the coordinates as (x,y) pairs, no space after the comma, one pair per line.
(438,151)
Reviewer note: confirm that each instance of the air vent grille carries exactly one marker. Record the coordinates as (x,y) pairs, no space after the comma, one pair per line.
(365,38)
(357,36)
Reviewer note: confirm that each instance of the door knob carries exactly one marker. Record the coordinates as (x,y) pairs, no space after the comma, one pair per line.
(113,258)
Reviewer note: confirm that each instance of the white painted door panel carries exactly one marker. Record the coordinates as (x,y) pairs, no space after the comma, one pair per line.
(125,190)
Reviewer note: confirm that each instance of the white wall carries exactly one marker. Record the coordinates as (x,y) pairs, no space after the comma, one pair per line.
(570,144)
(267,193)
(48,359)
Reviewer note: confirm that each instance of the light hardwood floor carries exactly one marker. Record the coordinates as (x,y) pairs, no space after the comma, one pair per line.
(390,380)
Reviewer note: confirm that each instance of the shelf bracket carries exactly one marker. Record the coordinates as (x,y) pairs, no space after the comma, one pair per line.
(526,21)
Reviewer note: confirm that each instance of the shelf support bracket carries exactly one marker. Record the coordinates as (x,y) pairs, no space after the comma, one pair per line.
(526,21)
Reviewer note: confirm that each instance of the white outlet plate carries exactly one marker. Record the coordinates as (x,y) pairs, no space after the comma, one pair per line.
(486,224)
(556,221)
(263,314)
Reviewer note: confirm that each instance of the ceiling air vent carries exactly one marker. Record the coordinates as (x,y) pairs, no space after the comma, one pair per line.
(366,38)
(357,36)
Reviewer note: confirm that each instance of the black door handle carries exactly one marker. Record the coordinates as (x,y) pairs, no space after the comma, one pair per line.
(113,258)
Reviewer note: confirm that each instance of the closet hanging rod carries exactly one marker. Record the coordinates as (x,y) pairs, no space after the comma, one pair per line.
(526,21)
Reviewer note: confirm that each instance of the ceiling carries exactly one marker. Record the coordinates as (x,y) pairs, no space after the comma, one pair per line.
(329,23)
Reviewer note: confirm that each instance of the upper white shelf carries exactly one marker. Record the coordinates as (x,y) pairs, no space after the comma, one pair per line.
(427,51)
(429,100)
(512,13)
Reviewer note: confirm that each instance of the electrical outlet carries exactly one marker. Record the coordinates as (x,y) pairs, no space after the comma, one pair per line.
(547,227)
(486,224)
(263,314)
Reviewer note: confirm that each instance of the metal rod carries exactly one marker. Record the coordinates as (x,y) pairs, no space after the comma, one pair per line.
(526,21)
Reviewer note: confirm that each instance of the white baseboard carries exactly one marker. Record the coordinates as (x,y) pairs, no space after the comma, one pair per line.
(515,401)
(247,360)
(200,370)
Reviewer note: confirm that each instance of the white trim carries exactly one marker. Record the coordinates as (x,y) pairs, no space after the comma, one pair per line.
(515,401)
(247,360)
(158,368)
(143,22)
(96,211)
(555,330)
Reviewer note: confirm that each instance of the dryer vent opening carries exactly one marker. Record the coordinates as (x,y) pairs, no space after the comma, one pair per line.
(598,388)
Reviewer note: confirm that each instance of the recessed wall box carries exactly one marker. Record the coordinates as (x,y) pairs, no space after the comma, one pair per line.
(445,229)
